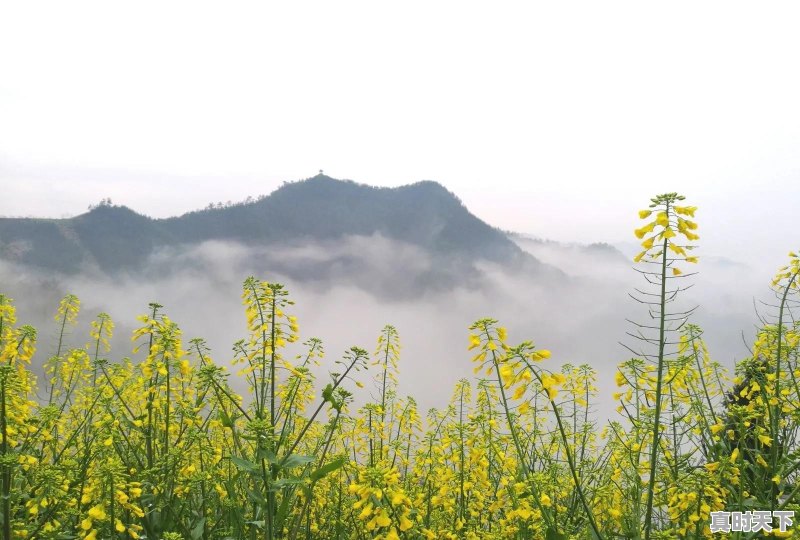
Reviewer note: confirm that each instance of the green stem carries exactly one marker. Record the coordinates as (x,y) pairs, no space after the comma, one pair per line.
(648,518)
(570,458)
(774,424)
(6,468)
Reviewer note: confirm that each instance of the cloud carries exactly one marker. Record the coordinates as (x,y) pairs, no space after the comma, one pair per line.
(346,291)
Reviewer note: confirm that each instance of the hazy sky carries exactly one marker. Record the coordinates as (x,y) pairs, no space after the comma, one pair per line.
(559,119)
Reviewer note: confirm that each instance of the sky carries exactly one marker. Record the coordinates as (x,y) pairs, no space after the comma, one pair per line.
(558,119)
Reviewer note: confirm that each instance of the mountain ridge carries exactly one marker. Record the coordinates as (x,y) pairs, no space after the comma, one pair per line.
(115,238)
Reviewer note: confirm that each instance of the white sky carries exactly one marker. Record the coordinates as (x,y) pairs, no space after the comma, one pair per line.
(559,118)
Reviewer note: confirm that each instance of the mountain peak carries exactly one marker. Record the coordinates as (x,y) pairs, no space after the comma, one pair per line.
(321,178)
(113,211)
(429,186)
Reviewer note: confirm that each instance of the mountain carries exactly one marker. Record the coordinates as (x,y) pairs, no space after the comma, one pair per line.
(601,250)
(424,214)
(574,259)
(318,210)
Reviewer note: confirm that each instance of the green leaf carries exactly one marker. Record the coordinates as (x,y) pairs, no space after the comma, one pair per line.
(269,455)
(293,481)
(553,534)
(256,497)
(327,395)
(243,464)
(197,531)
(282,483)
(224,419)
(295,460)
(327,469)
(752,502)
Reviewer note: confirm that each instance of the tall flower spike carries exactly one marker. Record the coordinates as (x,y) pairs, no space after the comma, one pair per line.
(668,219)
(664,249)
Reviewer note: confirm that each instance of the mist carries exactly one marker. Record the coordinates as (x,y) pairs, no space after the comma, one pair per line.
(346,291)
